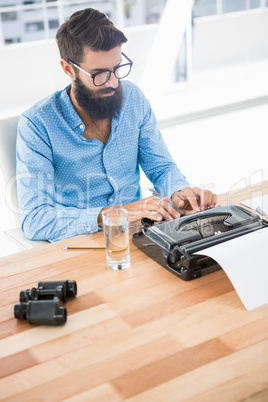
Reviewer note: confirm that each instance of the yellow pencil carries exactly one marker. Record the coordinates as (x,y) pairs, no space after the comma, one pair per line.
(83,248)
(94,248)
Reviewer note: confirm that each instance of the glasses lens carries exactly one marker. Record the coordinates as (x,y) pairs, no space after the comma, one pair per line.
(122,71)
(101,78)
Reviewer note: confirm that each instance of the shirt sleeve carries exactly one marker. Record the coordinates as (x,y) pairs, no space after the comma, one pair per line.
(42,218)
(155,158)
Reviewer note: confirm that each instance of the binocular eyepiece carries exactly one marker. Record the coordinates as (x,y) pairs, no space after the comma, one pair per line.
(62,290)
(43,305)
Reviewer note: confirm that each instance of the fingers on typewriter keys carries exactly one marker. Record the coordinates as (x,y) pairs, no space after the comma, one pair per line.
(208,200)
(166,210)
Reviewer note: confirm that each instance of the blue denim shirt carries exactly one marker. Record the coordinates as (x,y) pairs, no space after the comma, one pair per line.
(64,179)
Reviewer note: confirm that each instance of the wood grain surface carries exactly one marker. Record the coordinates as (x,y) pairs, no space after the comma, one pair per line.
(140,334)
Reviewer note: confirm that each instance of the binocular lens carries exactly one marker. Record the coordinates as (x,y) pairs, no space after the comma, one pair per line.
(41,312)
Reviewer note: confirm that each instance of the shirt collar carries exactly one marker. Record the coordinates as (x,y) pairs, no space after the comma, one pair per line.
(70,115)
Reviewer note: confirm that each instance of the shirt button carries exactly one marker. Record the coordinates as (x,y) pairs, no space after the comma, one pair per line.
(88,229)
(111,199)
(81,126)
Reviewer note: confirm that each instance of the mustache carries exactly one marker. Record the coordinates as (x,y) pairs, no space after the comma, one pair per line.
(107,90)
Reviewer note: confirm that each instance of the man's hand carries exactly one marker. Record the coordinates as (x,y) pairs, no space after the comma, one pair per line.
(158,208)
(194,198)
(151,207)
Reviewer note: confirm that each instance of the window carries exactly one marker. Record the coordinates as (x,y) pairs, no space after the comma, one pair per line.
(28,2)
(9,41)
(34,26)
(9,16)
(53,24)
(203,8)
(232,6)
(254,4)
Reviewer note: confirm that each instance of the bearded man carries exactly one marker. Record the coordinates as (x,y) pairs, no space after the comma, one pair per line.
(79,150)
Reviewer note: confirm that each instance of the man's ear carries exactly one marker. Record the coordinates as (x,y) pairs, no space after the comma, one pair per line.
(67,68)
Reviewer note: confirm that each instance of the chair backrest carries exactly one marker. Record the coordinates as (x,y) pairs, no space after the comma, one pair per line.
(8,137)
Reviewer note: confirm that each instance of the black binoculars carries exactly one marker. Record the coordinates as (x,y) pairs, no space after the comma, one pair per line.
(43,305)
(62,290)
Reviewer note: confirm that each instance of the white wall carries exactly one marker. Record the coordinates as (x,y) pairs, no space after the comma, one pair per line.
(234,38)
(223,152)
(29,72)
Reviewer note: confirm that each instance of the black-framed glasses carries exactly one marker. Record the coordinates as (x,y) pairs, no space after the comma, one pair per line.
(101,77)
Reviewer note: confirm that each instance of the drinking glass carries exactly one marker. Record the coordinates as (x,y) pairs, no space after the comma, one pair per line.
(115,226)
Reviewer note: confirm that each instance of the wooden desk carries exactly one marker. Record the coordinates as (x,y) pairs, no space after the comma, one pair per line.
(139,335)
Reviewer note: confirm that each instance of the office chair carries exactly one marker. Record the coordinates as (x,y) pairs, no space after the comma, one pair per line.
(8,136)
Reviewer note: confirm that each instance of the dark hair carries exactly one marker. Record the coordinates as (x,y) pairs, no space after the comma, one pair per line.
(87,28)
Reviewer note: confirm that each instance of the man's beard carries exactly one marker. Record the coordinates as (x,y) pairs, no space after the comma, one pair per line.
(96,106)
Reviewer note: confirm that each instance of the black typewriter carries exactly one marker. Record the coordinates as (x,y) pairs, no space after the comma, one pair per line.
(173,243)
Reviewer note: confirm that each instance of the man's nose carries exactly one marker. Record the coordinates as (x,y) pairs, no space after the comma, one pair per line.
(112,81)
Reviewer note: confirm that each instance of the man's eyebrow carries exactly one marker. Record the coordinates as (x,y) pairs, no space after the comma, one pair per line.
(99,70)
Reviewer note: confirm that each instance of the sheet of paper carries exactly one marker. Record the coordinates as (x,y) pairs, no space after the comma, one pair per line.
(261,202)
(245,261)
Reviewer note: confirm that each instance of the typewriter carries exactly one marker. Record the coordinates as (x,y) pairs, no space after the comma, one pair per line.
(173,244)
